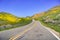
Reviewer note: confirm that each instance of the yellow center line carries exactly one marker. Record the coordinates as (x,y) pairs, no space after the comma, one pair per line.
(22,33)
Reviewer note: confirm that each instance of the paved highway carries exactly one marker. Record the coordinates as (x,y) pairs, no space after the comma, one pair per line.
(38,33)
(33,31)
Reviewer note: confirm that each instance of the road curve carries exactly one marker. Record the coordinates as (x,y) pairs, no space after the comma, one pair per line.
(37,32)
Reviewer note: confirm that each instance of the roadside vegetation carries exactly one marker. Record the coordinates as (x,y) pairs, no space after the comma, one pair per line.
(50,18)
(9,21)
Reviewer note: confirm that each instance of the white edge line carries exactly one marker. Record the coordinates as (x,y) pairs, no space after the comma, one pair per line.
(51,32)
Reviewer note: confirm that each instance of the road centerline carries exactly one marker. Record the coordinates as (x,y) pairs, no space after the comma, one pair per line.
(22,33)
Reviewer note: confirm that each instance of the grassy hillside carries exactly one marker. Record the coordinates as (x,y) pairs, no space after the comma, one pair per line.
(8,17)
(8,21)
(51,18)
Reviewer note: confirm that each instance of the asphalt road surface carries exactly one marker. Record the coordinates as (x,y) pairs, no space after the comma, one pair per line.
(37,32)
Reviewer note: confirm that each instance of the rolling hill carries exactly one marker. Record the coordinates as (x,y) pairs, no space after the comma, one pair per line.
(8,17)
(52,11)
(7,21)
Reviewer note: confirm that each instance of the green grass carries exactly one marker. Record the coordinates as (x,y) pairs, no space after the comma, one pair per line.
(55,27)
(22,23)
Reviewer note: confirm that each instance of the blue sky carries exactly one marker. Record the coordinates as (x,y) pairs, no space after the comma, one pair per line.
(23,8)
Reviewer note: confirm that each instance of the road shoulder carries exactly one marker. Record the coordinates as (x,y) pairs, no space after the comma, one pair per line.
(56,34)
